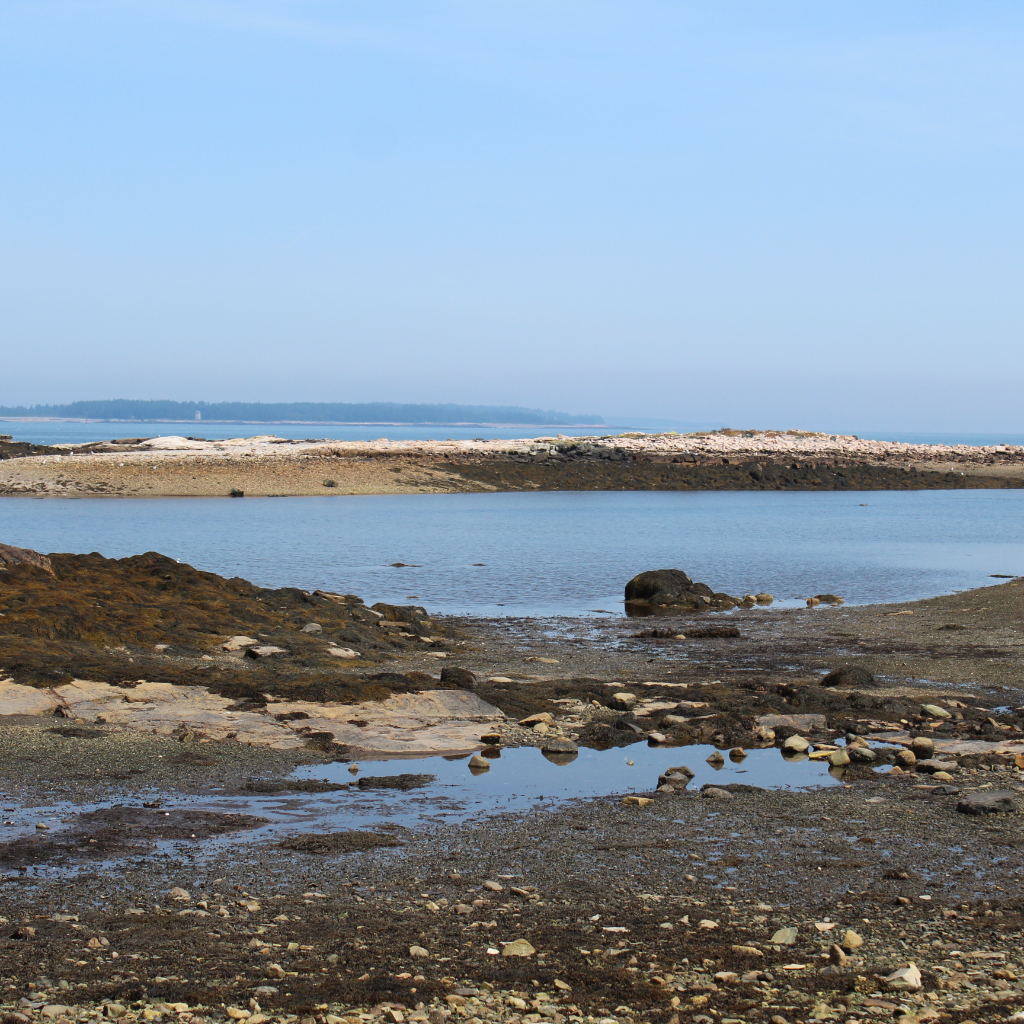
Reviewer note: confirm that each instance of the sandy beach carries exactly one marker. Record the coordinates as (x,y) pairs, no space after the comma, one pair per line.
(723,460)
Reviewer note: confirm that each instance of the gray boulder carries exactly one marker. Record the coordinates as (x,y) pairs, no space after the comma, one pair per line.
(993,802)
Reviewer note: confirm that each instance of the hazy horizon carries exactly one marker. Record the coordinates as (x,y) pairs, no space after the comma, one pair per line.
(783,213)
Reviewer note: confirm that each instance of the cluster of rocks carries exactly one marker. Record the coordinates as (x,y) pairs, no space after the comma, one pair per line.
(672,588)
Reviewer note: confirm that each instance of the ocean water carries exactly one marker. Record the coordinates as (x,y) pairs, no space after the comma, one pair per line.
(82,433)
(557,553)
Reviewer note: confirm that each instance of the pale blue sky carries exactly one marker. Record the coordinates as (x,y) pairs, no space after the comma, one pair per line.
(788,214)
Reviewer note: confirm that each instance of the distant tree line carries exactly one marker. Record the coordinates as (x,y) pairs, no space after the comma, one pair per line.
(304,412)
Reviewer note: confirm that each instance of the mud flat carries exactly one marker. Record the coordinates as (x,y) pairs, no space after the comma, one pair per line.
(723,460)
(141,878)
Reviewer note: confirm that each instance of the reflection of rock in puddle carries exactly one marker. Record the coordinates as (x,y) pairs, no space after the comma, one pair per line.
(405,781)
(561,757)
(119,831)
(271,786)
(338,842)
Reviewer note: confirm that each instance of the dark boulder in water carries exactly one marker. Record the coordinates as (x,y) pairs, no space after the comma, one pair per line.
(672,588)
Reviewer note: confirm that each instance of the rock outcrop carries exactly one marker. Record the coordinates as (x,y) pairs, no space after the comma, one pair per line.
(10,555)
(672,588)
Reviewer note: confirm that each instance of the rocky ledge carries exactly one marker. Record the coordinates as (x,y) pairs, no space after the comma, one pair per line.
(720,460)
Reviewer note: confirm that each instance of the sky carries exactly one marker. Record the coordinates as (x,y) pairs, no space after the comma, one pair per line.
(764,214)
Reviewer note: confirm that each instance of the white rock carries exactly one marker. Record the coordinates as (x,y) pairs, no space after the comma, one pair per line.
(238,643)
(343,652)
(906,979)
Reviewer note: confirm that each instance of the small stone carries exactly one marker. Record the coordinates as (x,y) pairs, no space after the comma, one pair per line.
(726,977)
(657,738)
(238,643)
(343,652)
(796,744)
(179,895)
(418,951)
(623,701)
(478,763)
(532,720)
(935,764)
(784,937)
(942,776)
(737,754)
(838,758)
(714,793)
(493,886)
(851,940)
(837,956)
(906,979)
(707,925)
(747,951)
(562,986)
(863,755)
(541,728)
(762,734)
(716,757)
(237,1014)
(312,627)
(274,971)
(906,759)
(52,1010)
(264,651)
(637,801)
(520,947)
(935,711)
(922,746)
(666,926)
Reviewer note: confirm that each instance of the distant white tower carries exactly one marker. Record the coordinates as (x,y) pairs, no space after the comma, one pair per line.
(199,415)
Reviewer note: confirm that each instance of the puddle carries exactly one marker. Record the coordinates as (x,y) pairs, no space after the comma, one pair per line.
(519,780)
(523,777)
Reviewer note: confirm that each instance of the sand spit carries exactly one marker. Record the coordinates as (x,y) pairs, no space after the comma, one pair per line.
(723,460)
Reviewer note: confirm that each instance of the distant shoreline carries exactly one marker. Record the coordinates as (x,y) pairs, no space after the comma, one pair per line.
(722,460)
(309,423)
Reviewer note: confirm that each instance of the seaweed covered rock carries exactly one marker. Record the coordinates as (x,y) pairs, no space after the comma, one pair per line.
(150,617)
(850,675)
(672,588)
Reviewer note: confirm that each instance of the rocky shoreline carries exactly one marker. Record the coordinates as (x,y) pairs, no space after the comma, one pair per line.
(722,460)
(139,882)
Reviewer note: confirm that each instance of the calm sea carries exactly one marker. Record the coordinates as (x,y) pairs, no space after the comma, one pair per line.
(557,553)
(82,433)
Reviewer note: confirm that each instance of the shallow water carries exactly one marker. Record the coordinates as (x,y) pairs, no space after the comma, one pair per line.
(84,433)
(559,552)
(520,780)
